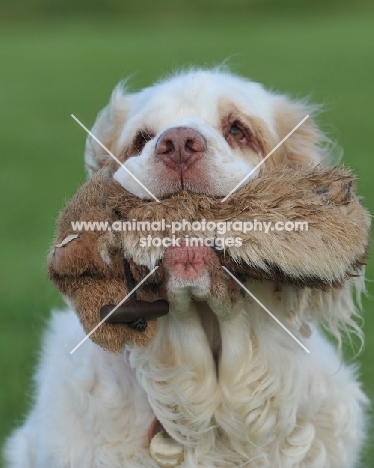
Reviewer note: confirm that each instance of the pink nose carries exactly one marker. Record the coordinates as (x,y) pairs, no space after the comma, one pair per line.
(180,147)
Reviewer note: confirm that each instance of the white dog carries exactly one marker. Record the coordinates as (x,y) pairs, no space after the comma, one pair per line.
(234,393)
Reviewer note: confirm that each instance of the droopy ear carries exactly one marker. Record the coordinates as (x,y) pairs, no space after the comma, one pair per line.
(107,128)
(307,145)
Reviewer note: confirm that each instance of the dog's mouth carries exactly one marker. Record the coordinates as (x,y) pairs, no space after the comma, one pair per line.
(195,274)
(188,264)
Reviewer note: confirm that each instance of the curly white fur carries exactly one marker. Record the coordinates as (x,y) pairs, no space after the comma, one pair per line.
(270,404)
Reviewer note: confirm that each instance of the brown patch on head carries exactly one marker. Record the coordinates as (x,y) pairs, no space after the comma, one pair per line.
(305,145)
(141,139)
(257,137)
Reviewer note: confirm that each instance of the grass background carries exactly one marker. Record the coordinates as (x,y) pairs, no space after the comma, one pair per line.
(59,58)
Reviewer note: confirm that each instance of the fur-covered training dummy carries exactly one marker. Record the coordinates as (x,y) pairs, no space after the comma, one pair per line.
(88,266)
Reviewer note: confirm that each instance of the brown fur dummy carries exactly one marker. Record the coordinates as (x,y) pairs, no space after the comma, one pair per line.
(89,269)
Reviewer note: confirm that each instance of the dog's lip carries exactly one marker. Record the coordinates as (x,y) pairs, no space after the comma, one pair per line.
(189,262)
(187,249)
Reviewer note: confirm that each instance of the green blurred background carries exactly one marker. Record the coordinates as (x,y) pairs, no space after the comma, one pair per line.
(60,57)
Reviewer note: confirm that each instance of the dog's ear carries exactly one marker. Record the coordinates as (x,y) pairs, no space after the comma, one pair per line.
(107,128)
(307,145)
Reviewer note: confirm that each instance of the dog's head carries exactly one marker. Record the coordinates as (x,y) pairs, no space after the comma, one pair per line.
(189,140)
(202,131)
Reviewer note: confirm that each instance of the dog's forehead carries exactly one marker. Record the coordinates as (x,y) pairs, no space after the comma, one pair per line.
(202,94)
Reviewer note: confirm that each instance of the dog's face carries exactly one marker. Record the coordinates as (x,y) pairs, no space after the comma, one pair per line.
(201,131)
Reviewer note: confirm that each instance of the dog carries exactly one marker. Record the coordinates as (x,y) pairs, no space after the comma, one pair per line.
(228,388)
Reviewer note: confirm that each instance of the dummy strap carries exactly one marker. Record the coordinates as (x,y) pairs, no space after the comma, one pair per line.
(139,324)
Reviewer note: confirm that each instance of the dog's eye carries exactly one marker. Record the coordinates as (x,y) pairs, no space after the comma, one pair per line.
(237,132)
(141,139)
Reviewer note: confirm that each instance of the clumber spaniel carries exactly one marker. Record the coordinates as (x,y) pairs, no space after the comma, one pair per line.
(226,393)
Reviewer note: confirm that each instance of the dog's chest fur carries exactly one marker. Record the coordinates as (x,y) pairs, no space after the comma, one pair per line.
(224,391)
(205,377)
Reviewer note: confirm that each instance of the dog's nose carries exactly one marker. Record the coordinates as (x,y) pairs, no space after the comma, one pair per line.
(180,146)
